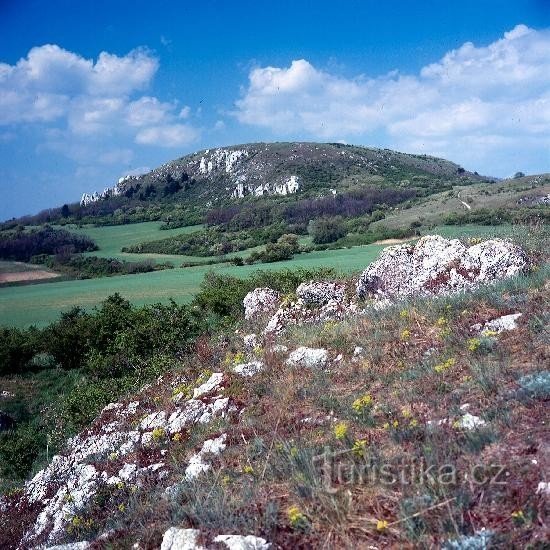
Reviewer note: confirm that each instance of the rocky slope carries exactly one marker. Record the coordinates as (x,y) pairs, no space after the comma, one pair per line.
(260,169)
(164,467)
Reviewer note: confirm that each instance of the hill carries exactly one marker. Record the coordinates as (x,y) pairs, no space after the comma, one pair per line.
(389,410)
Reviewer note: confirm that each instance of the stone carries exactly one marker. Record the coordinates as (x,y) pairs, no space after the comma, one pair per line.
(249,369)
(498,325)
(260,301)
(241,542)
(250,341)
(320,293)
(197,464)
(308,357)
(213,383)
(435,265)
(180,539)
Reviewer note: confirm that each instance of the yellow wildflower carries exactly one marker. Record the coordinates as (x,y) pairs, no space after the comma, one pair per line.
(340,430)
(248,469)
(381,525)
(405,335)
(158,433)
(473,344)
(295,517)
(362,403)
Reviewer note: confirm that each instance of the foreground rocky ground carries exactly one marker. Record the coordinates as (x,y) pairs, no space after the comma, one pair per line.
(404,408)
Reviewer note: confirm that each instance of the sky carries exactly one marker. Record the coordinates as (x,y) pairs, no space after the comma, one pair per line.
(93,90)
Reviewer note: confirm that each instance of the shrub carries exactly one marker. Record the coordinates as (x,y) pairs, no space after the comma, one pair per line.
(327,230)
(17,348)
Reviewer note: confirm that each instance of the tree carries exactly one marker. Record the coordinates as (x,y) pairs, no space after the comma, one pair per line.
(519,175)
(327,230)
(65,211)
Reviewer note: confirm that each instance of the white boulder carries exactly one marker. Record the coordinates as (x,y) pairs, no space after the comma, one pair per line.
(260,301)
(435,265)
(308,357)
(180,539)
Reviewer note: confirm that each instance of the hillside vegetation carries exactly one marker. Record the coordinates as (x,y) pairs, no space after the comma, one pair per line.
(417,423)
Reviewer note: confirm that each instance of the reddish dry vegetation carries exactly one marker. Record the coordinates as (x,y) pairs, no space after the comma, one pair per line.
(421,365)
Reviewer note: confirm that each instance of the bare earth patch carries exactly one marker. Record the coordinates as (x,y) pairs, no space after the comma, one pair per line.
(27,276)
(394,241)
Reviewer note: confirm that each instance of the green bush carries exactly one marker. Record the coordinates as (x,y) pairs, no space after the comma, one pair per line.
(17,348)
(327,230)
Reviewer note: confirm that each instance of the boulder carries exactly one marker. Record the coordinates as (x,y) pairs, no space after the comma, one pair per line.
(260,301)
(435,265)
(308,357)
(320,293)
(180,539)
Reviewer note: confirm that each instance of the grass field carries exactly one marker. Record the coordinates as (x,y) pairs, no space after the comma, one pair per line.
(112,238)
(41,304)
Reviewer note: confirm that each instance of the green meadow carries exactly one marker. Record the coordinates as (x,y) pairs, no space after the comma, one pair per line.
(39,304)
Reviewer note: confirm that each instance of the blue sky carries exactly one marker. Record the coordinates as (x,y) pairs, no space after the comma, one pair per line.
(91,91)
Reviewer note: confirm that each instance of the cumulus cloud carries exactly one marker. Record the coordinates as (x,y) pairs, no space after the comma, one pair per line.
(173,135)
(91,98)
(475,102)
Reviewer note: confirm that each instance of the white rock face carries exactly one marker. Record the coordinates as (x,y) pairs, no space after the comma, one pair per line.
(221,159)
(83,545)
(180,539)
(470,422)
(435,265)
(288,187)
(308,357)
(320,293)
(69,483)
(260,301)
(543,488)
(114,191)
(240,542)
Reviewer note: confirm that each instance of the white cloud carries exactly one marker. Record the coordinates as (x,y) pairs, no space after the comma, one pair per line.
(474,103)
(174,135)
(92,98)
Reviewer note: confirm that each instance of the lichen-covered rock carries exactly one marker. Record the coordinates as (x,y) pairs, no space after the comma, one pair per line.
(308,357)
(298,313)
(180,539)
(213,383)
(498,325)
(260,301)
(435,265)
(198,463)
(249,369)
(319,293)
